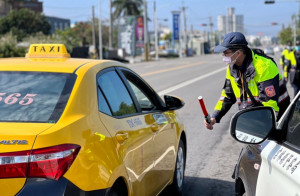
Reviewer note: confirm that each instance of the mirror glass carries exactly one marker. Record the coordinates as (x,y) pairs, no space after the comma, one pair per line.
(254,126)
(173,103)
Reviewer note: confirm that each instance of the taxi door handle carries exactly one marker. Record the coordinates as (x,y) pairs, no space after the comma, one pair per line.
(121,137)
(155,127)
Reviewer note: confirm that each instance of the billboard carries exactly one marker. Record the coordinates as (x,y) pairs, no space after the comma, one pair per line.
(127,34)
(140,32)
(176,25)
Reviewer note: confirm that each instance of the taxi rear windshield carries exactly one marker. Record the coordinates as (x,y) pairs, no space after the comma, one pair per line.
(34,96)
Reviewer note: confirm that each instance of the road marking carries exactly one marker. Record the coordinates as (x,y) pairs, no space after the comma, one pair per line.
(171,69)
(183,84)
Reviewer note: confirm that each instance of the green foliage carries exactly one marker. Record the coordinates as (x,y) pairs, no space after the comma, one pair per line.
(81,34)
(286,35)
(125,109)
(127,8)
(9,47)
(168,37)
(66,37)
(24,22)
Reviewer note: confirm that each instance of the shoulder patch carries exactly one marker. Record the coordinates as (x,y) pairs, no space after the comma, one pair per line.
(270,91)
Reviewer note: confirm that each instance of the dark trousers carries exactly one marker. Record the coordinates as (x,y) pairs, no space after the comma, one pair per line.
(296,89)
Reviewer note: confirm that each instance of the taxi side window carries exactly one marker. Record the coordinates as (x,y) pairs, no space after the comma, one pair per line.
(116,94)
(142,99)
(102,104)
(293,129)
(143,94)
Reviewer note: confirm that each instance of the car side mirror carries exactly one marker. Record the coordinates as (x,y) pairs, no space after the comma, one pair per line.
(254,125)
(173,103)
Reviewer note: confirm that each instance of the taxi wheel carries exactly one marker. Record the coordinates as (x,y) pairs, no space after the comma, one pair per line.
(177,185)
(118,189)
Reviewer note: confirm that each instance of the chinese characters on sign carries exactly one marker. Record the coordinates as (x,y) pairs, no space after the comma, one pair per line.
(126,37)
(176,25)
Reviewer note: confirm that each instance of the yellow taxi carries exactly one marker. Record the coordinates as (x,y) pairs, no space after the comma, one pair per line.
(85,127)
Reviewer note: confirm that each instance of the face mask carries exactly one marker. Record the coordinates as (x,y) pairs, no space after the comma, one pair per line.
(297,48)
(227,59)
(289,47)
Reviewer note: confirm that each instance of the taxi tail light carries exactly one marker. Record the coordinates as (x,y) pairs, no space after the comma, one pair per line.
(51,162)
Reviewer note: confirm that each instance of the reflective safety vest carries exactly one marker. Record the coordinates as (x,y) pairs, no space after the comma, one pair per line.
(284,56)
(262,77)
(291,70)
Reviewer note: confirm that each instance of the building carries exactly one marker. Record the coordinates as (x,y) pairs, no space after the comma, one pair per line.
(231,22)
(58,23)
(36,6)
(33,5)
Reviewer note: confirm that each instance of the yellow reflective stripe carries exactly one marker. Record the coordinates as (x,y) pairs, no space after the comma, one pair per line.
(235,88)
(271,103)
(281,62)
(292,58)
(220,102)
(285,73)
(283,96)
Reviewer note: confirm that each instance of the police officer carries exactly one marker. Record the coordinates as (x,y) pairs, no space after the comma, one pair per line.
(251,79)
(292,69)
(285,54)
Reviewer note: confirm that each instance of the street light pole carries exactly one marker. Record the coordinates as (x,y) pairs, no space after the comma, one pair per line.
(184,31)
(110,25)
(145,31)
(155,32)
(295,27)
(93,30)
(100,32)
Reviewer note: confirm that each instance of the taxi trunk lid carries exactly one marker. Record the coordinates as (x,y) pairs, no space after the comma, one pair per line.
(15,139)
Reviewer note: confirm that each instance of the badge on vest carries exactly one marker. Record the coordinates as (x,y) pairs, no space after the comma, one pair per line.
(270,91)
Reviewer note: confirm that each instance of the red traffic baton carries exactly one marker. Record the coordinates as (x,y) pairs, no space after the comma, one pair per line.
(206,115)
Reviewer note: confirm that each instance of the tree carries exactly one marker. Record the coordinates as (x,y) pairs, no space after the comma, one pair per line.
(10,48)
(168,37)
(127,8)
(24,22)
(286,35)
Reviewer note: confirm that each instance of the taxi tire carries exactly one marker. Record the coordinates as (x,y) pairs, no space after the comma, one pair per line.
(178,181)
(118,189)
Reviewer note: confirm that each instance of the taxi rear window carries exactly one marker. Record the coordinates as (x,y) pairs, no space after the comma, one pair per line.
(34,96)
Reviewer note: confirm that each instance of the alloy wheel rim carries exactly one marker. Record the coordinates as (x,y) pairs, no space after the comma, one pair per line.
(180,167)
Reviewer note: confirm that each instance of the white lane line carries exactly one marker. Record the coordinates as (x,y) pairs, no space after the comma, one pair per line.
(183,84)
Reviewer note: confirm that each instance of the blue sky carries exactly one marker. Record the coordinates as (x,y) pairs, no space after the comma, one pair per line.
(257,15)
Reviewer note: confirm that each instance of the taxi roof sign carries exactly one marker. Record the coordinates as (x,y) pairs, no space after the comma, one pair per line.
(47,51)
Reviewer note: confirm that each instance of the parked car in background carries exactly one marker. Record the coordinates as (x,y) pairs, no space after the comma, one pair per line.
(166,53)
(269,51)
(278,49)
(272,166)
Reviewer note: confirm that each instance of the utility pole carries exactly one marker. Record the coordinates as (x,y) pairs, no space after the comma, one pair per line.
(184,32)
(211,37)
(110,25)
(100,33)
(155,32)
(145,31)
(93,31)
(192,37)
(295,27)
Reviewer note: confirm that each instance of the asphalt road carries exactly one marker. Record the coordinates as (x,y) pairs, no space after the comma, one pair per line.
(211,155)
